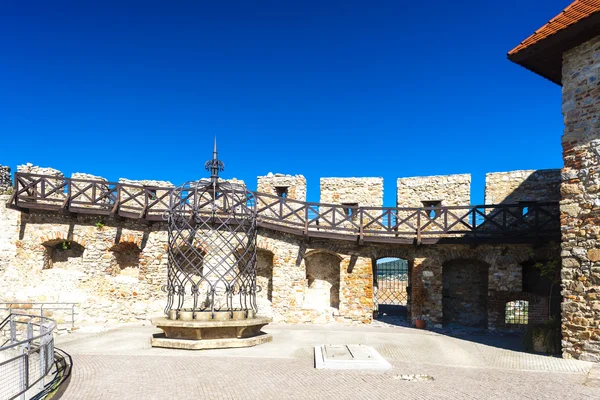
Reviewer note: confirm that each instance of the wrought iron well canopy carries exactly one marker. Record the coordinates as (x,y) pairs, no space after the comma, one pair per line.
(211,249)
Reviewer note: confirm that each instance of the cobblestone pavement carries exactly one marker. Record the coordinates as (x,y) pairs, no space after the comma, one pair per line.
(120,364)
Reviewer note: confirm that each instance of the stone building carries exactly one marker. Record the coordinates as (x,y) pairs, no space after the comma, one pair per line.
(565,51)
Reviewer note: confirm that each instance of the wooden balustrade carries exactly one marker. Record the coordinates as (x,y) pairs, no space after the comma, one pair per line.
(501,223)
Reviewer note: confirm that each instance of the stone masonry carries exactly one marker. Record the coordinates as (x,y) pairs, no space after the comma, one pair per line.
(106,288)
(522,186)
(34,169)
(352,193)
(271,183)
(432,191)
(5,180)
(450,190)
(115,270)
(580,204)
(286,186)
(365,192)
(9,221)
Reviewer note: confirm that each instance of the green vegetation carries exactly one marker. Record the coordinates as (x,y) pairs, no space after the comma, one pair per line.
(100,223)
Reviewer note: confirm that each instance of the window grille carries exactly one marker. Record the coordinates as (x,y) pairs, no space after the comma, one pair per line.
(516,312)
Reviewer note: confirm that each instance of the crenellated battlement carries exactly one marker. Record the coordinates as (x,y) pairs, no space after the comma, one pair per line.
(509,187)
(522,186)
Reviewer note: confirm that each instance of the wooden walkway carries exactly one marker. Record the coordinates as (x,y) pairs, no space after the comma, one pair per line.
(502,223)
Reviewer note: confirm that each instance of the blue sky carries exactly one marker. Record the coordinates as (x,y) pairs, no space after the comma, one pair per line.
(138,89)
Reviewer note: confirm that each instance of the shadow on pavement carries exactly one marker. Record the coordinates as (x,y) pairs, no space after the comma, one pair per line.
(397,315)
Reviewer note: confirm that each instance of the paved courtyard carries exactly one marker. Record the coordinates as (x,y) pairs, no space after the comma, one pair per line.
(120,364)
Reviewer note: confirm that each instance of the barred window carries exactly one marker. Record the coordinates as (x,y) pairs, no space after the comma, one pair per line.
(516,312)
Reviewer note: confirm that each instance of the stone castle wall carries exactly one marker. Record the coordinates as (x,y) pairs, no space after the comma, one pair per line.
(449,190)
(580,204)
(9,222)
(34,169)
(5,180)
(9,229)
(117,277)
(292,297)
(522,186)
(296,185)
(115,270)
(366,192)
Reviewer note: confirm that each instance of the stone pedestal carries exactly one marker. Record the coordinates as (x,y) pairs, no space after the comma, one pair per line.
(211,334)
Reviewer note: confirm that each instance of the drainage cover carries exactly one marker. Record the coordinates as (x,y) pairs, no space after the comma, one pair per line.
(349,356)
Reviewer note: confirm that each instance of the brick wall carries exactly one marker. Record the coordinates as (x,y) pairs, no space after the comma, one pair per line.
(537,310)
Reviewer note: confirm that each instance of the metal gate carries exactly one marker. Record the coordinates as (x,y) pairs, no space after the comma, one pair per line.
(392,279)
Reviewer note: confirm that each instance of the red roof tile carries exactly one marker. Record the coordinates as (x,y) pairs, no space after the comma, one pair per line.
(578,10)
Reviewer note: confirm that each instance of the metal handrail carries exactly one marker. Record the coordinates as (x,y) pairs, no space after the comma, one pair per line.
(19,373)
(17,305)
(28,340)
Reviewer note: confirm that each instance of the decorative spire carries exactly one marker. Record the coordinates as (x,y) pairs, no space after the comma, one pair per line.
(214,166)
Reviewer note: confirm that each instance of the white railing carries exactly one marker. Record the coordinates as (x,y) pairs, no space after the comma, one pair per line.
(26,354)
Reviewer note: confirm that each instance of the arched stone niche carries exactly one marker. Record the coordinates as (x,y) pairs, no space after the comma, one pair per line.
(126,260)
(322,280)
(63,254)
(264,274)
(264,279)
(465,292)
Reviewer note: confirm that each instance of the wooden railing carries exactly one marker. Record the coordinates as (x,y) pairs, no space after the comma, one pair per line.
(503,223)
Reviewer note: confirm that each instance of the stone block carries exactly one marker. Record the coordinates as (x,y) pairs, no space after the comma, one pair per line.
(594,255)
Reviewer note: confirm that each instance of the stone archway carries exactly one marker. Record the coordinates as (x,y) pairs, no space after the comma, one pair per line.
(465,292)
(390,282)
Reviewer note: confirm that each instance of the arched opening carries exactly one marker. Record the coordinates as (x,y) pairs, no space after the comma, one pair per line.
(264,280)
(264,274)
(322,281)
(63,254)
(465,293)
(126,260)
(390,287)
